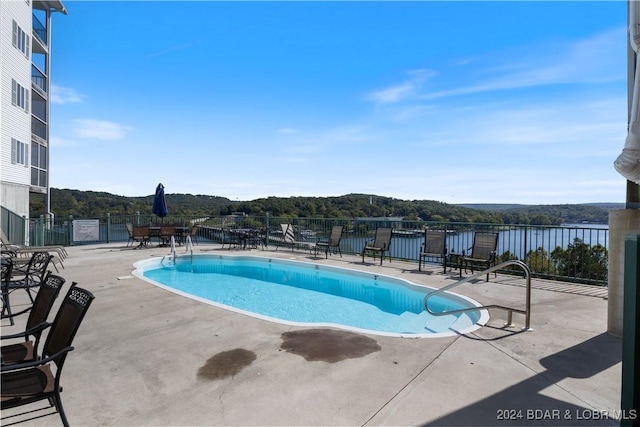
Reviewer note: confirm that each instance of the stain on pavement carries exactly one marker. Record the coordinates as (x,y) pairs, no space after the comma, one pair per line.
(226,364)
(328,345)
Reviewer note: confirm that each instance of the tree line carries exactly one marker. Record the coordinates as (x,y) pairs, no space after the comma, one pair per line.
(87,204)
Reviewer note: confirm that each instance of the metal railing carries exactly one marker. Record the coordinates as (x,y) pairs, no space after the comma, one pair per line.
(39,30)
(575,253)
(510,310)
(13,226)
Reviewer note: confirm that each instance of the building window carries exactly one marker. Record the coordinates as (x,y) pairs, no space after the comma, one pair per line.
(19,152)
(20,39)
(20,95)
(38,165)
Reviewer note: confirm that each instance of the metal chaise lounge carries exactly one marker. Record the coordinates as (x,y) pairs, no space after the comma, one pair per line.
(22,253)
(59,250)
(288,239)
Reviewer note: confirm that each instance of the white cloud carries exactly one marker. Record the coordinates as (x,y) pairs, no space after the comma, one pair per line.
(65,95)
(404,90)
(596,59)
(99,129)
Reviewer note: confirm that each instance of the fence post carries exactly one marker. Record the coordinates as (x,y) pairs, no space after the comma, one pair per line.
(108,226)
(524,244)
(24,237)
(138,218)
(266,226)
(630,399)
(70,230)
(40,231)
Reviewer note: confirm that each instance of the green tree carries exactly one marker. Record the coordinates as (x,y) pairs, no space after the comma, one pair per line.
(580,260)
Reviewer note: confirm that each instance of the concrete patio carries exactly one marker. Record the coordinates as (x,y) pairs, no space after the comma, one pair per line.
(146,356)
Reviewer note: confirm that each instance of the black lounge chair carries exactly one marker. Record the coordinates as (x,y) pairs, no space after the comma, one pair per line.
(434,246)
(483,251)
(380,245)
(30,275)
(29,382)
(36,323)
(333,242)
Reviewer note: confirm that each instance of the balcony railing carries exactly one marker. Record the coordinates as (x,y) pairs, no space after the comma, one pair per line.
(38,81)
(574,253)
(38,129)
(39,30)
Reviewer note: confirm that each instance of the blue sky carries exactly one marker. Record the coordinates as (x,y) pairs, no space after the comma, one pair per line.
(460,102)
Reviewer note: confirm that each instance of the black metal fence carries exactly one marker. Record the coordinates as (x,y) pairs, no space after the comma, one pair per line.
(576,253)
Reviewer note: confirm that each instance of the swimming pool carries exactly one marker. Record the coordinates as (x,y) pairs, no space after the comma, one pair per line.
(306,294)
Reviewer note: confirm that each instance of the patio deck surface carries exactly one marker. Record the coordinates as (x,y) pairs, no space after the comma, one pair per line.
(146,356)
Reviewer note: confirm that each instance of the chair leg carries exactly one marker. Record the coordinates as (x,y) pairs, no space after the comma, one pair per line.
(28,289)
(58,405)
(6,306)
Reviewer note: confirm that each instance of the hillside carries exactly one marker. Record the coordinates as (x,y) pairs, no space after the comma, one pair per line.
(87,204)
(595,213)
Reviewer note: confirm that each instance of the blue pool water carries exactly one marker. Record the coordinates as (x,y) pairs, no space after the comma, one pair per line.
(309,294)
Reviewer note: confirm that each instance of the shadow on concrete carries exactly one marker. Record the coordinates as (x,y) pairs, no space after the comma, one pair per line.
(524,404)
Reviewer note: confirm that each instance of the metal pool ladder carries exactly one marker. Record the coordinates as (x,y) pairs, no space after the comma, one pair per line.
(188,248)
(510,310)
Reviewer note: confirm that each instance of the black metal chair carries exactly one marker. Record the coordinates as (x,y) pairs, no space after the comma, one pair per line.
(7,270)
(483,251)
(333,242)
(29,382)
(31,275)
(380,245)
(36,322)
(434,246)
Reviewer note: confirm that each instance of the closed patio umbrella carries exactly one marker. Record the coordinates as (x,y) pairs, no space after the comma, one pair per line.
(159,203)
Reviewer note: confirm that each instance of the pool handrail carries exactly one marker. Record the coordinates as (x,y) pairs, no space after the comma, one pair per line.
(510,310)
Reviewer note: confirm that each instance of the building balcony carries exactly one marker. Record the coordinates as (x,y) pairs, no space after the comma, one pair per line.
(38,130)
(38,81)
(39,31)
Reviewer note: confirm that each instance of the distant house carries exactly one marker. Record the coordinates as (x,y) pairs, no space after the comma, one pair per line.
(25,97)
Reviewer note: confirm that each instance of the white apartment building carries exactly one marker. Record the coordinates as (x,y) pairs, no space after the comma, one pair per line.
(25,95)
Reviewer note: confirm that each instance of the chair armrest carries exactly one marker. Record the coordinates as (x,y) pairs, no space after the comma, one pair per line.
(33,364)
(8,316)
(38,328)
